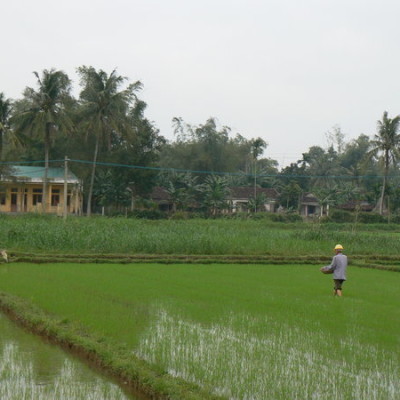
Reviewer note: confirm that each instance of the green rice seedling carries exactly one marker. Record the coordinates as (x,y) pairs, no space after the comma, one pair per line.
(241,331)
(19,381)
(282,362)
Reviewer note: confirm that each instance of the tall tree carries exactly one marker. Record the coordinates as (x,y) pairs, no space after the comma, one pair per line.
(208,147)
(43,113)
(323,166)
(141,146)
(354,155)
(258,146)
(385,145)
(297,173)
(5,114)
(104,109)
(290,195)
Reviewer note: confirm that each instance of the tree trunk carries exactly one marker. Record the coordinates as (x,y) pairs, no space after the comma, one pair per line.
(46,167)
(255,184)
(89,202)
(382,198)
(1,144)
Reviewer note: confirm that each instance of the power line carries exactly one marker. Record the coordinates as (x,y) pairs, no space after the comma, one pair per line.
(180,170)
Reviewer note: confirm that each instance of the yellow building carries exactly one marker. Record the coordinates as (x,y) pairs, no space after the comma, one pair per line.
(22,191)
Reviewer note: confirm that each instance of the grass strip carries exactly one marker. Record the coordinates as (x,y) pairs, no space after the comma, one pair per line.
(388,263)
(392,268)
(114,359)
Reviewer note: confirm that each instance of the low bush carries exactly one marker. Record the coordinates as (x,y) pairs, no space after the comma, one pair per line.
(180,215)
(341,216)
(395,219)
(371,218)
(293,218)
(290,217)
(147,214)
(260,216)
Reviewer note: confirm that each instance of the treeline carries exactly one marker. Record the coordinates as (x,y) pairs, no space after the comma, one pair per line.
(107,127)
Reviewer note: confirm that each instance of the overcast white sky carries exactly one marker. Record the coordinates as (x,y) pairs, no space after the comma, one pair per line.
(285,70)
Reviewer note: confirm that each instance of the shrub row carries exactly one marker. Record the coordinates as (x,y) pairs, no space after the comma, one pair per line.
(338,216)
(342,216)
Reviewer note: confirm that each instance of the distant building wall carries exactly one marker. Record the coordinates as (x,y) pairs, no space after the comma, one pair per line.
(25,197)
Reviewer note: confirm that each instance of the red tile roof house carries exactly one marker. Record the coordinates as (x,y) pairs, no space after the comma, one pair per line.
(311,207)
(238,199)
(357,205)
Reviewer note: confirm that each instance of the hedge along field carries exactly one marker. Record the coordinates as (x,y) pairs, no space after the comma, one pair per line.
(241,331)
(99,235)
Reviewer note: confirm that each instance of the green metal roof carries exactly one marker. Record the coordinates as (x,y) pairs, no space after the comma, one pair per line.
(37,173)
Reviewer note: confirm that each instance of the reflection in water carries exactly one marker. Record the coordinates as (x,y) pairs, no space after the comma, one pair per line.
(32,369)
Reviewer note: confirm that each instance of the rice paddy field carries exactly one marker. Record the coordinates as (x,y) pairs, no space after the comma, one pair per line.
(30,368)
(236,331)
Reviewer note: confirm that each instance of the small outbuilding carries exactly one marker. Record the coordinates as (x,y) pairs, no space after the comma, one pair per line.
(310,206)
(241,196)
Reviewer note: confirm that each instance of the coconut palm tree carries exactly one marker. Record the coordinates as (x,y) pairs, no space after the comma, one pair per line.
(257,148)
(104,109)
(385,145)
(42,113)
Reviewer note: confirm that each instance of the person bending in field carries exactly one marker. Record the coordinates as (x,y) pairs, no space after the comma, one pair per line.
(338,268)
(4,255)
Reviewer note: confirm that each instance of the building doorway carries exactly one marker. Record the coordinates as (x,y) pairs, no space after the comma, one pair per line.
(14,199)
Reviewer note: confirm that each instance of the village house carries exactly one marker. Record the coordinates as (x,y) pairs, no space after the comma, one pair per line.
(238,199)
(162,198)
(22,191)
(353,205)
(310,206)
(241,196)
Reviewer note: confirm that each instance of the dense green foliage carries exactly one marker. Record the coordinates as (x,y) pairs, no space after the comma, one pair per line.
(230,322)
(107,124)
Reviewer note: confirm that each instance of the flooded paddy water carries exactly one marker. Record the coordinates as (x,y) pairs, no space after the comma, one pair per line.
(32,369)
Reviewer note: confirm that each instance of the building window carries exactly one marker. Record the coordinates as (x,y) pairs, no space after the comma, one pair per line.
(36,196)
(2,195)
(55,197)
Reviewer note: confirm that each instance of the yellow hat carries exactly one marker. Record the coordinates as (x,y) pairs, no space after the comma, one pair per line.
(338,247)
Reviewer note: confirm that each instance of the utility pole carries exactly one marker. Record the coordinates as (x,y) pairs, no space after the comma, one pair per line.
(65,187)
(255,180)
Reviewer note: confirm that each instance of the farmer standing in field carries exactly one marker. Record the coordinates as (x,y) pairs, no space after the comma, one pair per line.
(338,268)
